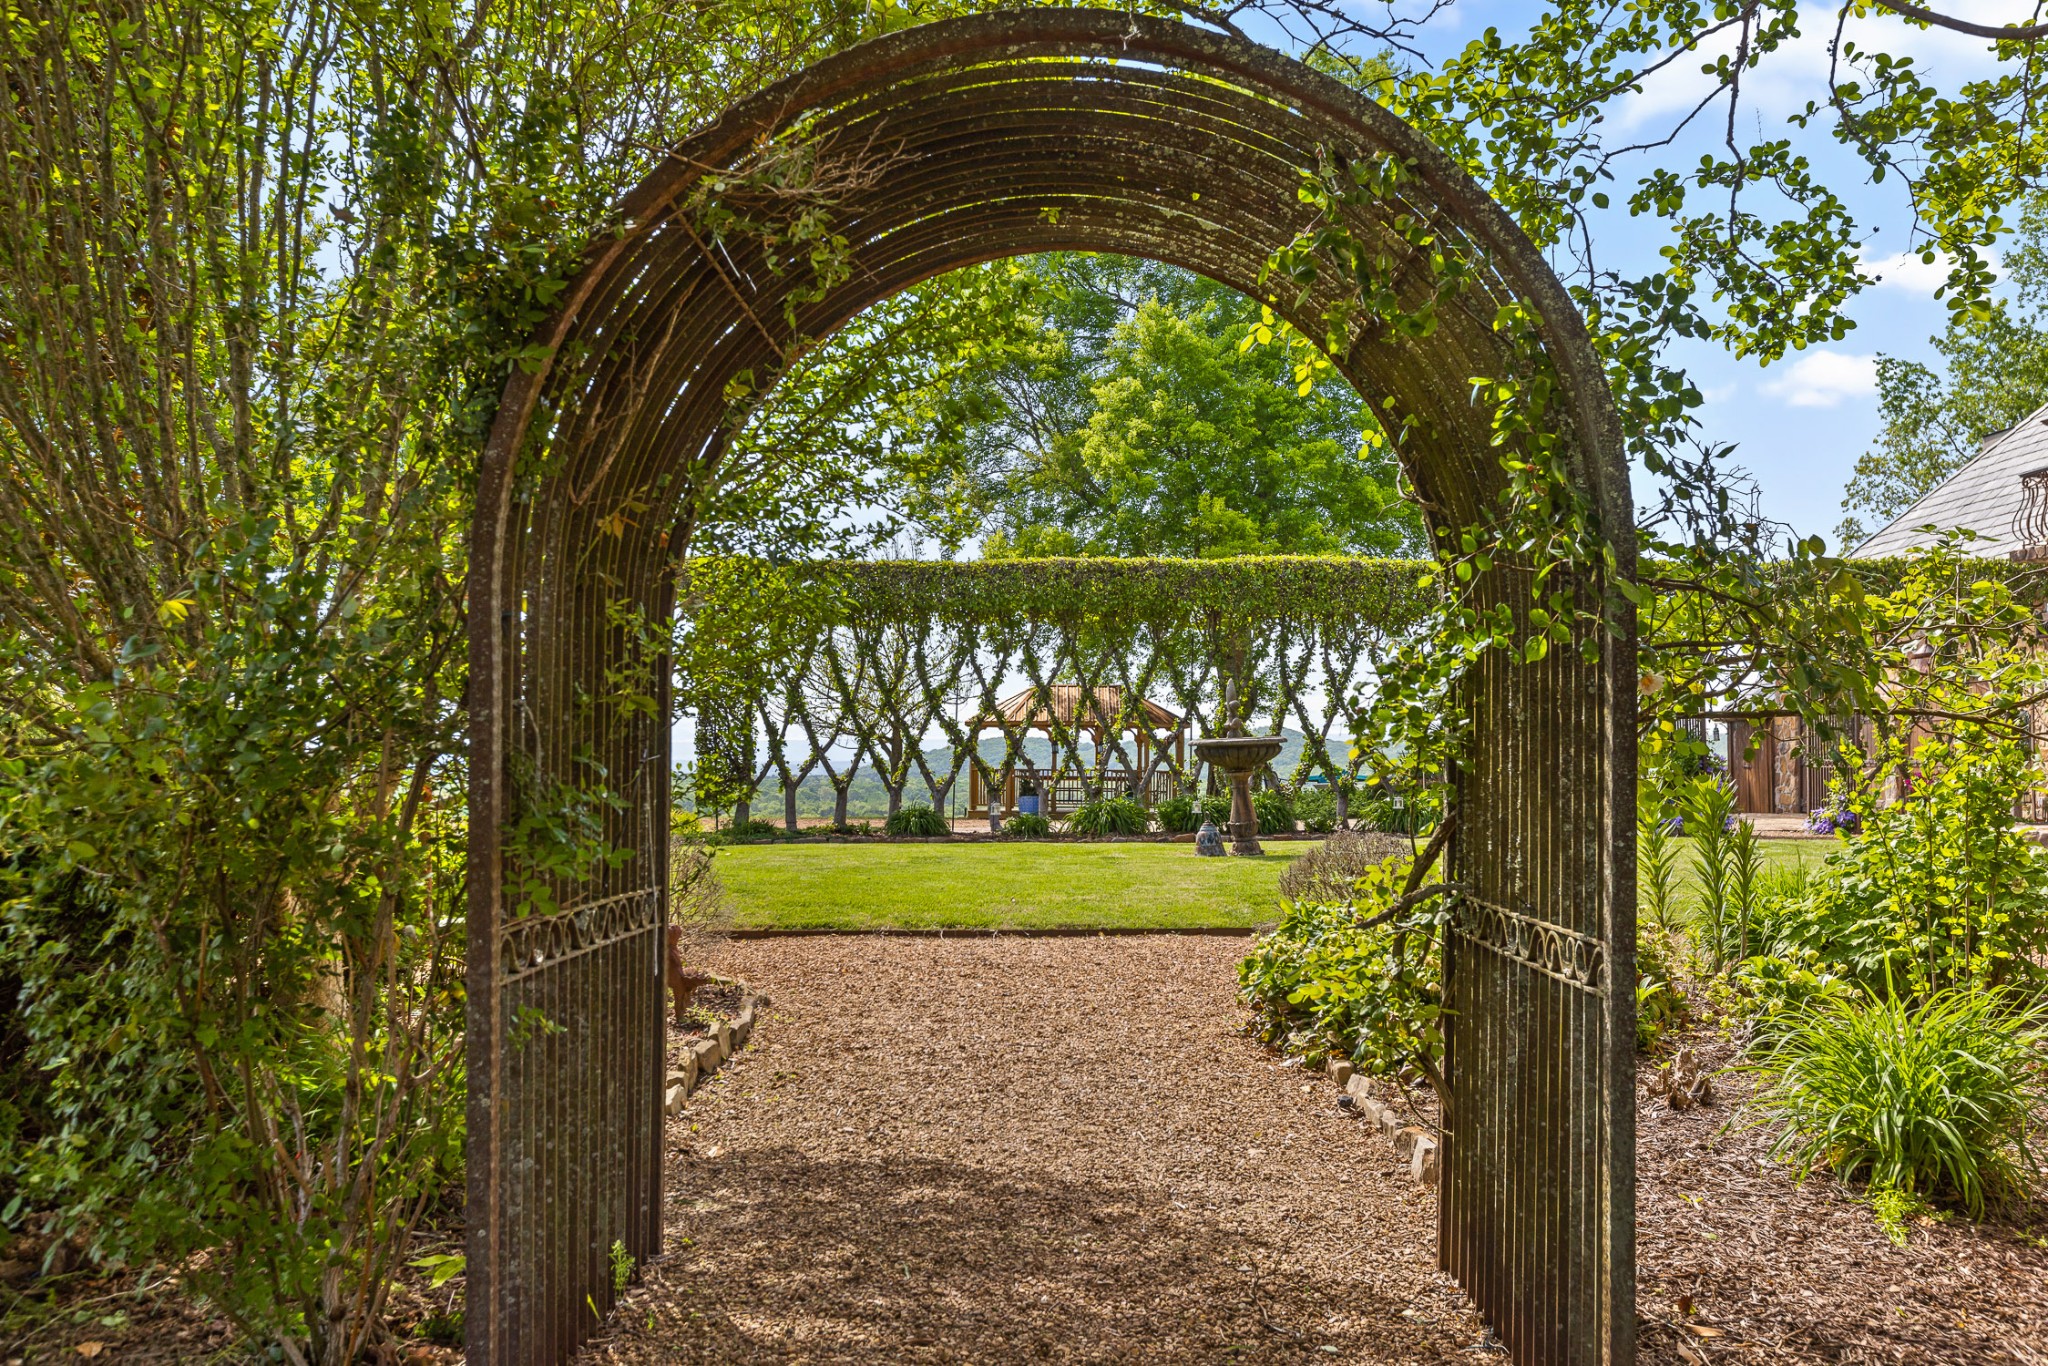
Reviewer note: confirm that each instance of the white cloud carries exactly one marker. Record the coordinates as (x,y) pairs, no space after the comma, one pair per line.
(1822,379)
(1797,72)
(1908,272)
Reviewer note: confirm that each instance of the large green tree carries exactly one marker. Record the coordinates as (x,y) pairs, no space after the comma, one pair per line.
(1135,413)
(1994,371)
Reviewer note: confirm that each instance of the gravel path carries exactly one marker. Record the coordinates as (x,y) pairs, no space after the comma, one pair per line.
(998,1150)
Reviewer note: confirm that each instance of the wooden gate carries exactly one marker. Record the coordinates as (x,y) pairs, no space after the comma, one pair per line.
(968,140)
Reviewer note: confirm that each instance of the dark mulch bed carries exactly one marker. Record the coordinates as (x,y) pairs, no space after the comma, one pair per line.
(719,999)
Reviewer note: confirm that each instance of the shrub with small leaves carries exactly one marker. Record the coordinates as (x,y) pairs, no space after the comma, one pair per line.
(1315,806)
(1330,871)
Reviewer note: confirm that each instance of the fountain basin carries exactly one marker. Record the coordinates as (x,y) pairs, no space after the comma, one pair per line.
(1236,754)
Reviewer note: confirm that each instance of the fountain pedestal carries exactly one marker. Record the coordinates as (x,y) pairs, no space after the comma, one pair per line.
(1240,756)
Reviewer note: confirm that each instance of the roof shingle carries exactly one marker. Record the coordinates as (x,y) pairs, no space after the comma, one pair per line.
(1983,496)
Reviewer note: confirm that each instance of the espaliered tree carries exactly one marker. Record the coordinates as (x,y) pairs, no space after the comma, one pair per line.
(877,654)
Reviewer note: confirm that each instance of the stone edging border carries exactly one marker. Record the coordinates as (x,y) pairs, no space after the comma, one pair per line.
(1413,1144)
(704,1056)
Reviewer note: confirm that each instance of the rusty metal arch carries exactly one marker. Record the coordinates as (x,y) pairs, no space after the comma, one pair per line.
(1012,133)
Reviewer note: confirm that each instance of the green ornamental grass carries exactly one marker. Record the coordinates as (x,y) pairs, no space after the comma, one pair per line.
(918,818)
(1109,816)
(1935,1100)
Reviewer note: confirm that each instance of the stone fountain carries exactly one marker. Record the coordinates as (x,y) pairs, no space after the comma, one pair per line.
(1239,756)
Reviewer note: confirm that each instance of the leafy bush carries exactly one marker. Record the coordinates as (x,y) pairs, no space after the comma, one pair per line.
(1399,813)
(1942,887)
(1315,806)
(917,818)
(1329,872)
(1777,989)
(1216,810)
(1319,984)
(1109,816)
(750,830)
(1934,1099)
(1027,827)
(1274,811)
(1660,1004)
(1179,815)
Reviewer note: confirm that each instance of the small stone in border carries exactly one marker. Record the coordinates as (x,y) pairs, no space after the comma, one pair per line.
(1423,1163)
(1339,1070)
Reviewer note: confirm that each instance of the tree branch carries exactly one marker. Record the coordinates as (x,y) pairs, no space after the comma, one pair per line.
(2011,33)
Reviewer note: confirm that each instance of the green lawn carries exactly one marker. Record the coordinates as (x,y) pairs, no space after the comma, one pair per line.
(1806,853)
(1033,886)
(1017,886)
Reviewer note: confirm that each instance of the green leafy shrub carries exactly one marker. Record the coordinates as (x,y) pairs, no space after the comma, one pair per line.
(1778,989)
(1109,816)
(1320,984)
(1397,812)
(741,831)
(1942,888)
(1027,827)
(916,818)
(1660,1004)
(1179,815)
(1315,806)
(1934,1099)
(1329,872)
(1274,811)
(1216,810)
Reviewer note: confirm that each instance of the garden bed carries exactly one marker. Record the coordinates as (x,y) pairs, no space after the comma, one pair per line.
(1737,1262)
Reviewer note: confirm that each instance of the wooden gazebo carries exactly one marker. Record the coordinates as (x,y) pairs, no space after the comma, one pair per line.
(1097,713)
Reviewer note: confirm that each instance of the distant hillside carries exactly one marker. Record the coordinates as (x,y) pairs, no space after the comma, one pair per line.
(868,800)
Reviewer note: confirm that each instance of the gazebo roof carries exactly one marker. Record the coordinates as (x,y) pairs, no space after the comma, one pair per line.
(1102,706)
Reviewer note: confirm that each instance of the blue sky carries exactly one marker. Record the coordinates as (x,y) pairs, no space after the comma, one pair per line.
(1799,425)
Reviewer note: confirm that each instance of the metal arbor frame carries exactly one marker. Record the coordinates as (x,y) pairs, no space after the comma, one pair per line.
(1003,134)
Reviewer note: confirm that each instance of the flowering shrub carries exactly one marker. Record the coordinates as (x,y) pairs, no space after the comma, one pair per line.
(1838,819)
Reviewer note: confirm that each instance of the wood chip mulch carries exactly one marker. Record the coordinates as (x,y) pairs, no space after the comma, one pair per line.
(1777,1272)
(1014,1150)
(1002,1150)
